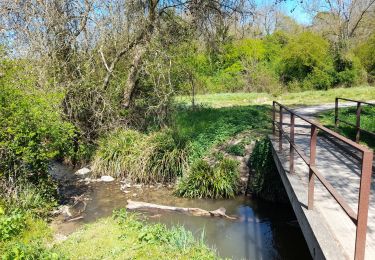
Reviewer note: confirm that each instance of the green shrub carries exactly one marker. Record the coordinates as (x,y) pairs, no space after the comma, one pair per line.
(366,53)
(349,70)
(32,131)
(318,79)
(264,181)
(11,225)
(30,251)
(24,236)
(156,157)
(205,181)
(306,57)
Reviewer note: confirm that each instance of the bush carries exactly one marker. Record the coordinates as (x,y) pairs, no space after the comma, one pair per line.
(32,132)
(30,251)
(23,236)
(366,53)
(307,57)
(205,181)
(265,181)
(349,70)
(318,79)
(11,225)
(156,157)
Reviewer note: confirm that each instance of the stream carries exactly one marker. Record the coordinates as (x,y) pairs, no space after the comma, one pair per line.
(264,230)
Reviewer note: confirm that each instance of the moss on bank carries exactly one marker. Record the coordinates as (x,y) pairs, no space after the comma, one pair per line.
(264,180)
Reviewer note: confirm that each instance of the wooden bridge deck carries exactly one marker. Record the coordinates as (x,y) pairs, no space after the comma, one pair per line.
(329,231)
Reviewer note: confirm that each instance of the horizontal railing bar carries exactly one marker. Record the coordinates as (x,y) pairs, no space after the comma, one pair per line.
(300,153)
(328,131)
(348,123)
(341,201)
(357,101)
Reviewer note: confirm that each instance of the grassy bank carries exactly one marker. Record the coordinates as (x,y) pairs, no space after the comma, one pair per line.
(206,127)
(312,97)
(125,237)
(121,236)
(349,115)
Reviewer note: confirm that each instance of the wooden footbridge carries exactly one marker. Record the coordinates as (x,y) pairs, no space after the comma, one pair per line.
(329,182)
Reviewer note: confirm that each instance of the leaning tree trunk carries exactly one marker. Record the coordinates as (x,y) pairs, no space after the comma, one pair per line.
(133,73)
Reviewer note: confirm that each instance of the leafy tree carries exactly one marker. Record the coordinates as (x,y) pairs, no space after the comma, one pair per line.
(307,58)
(366,53)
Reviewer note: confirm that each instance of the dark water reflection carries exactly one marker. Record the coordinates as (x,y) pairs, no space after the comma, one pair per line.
(263,231)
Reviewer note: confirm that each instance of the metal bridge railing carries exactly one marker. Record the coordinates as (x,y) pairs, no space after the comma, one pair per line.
(357,125)
(359,218)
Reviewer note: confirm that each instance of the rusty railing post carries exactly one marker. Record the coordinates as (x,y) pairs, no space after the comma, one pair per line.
(358,122)
(313,141)
(273,118)
(363,202)
(281,129)
(336,113)
(291,148)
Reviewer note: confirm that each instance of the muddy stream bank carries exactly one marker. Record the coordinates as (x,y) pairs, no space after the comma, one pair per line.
(263,231)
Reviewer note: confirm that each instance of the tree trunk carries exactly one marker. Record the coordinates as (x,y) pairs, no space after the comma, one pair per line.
(132,77)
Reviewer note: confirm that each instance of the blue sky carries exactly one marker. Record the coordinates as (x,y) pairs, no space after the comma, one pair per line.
(292,8)
(297,13)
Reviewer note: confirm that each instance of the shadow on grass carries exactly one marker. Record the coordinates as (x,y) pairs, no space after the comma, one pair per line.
(206,126)
(349,115)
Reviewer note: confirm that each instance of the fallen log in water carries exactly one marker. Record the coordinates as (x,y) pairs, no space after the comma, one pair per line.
(132,205)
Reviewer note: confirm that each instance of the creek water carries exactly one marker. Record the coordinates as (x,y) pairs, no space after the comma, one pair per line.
(262,231)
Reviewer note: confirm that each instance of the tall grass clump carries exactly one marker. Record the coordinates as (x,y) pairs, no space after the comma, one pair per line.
(206,181)
(264,180)
(154,157)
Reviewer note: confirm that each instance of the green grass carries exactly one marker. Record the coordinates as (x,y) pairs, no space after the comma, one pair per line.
(312,97)
(29,242)
(236,149)
(207,127)
(349,115)
(122,236)
(125,237)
